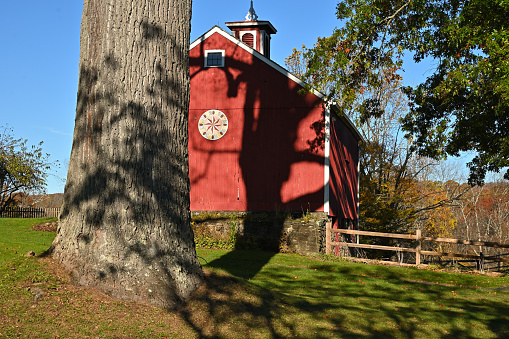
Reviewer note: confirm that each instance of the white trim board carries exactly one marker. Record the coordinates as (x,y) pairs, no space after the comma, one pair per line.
(326,162)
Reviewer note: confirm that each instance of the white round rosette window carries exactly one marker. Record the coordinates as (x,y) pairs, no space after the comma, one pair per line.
(213,124)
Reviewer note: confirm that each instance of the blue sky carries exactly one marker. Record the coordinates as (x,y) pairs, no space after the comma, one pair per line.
(39,57)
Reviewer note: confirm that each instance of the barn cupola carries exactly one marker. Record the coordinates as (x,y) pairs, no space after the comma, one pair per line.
(252,32)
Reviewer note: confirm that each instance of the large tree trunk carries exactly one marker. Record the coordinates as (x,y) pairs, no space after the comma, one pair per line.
(125,223)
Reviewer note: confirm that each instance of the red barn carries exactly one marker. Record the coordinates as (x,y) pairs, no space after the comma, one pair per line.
(256,143)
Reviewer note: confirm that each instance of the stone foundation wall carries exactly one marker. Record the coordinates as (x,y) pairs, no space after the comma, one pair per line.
(302,233)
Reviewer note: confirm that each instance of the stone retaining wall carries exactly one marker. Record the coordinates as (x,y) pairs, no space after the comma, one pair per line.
(299,233)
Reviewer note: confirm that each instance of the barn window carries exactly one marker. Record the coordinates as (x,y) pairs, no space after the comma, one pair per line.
(214,58)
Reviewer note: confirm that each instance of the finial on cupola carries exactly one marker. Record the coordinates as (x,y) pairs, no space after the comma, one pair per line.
(254,33)
(251,15)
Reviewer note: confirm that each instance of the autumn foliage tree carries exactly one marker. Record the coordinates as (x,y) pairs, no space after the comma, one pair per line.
(366,87)
(390,194)
(483,213)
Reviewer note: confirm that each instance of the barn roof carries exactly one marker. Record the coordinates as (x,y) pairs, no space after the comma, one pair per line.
(260,24)
(285,72)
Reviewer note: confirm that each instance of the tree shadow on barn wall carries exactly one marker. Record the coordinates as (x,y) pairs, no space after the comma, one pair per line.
(275,119)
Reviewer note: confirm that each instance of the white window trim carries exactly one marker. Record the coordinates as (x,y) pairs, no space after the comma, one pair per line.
(214,51)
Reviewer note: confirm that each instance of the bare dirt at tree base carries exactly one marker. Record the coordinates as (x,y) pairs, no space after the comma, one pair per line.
(46,227)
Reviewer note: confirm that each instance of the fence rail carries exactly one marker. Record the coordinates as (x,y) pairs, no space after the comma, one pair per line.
(418,244)
(30,212)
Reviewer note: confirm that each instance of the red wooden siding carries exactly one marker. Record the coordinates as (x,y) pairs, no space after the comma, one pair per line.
(343,171)
(266,161)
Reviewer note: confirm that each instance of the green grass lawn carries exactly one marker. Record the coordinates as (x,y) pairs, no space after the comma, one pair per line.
(251,294)
(16,237)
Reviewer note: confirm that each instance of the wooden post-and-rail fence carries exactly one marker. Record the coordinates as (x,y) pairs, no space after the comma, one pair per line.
(418,244)
(30,212)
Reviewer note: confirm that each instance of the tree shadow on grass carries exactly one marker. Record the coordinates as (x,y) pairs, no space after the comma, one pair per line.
(244,264)
(321,300)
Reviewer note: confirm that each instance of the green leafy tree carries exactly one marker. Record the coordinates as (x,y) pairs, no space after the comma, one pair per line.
(23,168)
(463,106)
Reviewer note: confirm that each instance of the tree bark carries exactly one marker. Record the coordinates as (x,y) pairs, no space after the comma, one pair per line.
(125,222)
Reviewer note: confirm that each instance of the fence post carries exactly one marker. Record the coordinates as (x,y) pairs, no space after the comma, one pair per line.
(481,262)
(418,248)
(328,225)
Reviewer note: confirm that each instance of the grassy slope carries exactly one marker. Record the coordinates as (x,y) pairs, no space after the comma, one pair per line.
(251,294)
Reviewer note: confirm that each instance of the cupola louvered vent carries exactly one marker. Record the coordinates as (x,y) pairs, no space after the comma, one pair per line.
(248,39)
